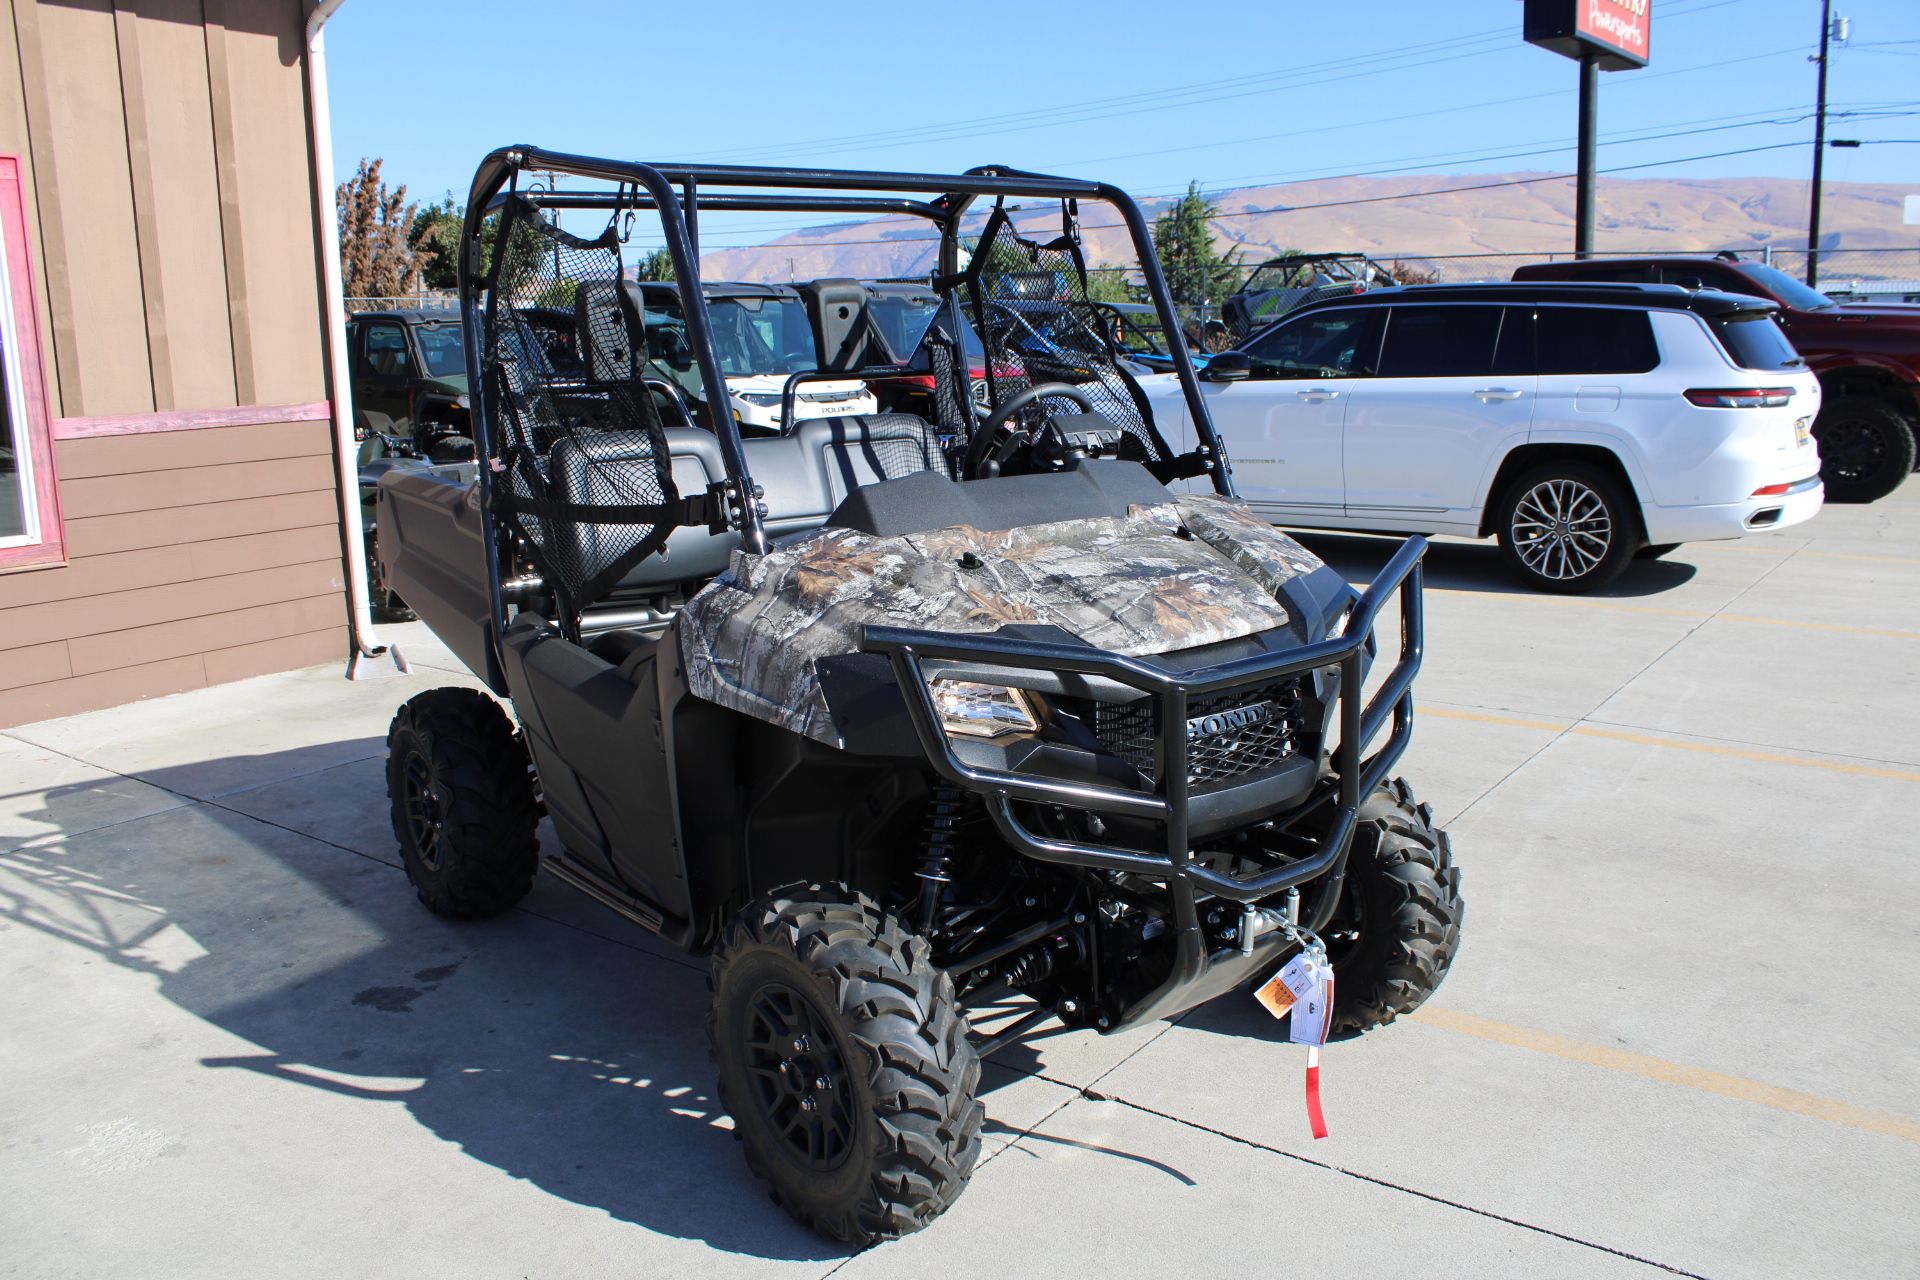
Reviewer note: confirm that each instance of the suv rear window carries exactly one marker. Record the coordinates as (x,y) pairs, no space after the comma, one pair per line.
(1594,340)
(1755,341)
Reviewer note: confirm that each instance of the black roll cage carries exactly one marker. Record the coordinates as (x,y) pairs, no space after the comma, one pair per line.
(652,187)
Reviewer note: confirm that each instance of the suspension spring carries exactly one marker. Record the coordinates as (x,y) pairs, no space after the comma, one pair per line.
(944,806)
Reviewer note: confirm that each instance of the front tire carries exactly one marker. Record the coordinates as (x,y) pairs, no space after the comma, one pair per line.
(461,790)
(1568,527)
(845,1064)
(1866,448)
(1397,927)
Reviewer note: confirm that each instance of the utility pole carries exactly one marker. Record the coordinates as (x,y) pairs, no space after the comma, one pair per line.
(1583,176)
(1819,145)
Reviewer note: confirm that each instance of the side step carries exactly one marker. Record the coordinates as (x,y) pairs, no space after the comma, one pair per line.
(605,893)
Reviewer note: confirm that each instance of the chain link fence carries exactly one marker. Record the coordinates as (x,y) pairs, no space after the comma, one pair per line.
(430,300)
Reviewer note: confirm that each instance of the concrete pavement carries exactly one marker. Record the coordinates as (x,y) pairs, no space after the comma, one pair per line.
(1678,1039)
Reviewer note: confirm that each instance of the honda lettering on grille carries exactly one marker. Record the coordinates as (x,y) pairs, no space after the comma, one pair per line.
(1212,726)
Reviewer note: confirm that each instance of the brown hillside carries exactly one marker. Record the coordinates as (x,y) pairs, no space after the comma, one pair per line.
(1636,213)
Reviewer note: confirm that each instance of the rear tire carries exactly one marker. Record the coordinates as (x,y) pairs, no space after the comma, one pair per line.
(451,449)
(461,789)
(1866,448)
(1397,928)
(845,1064)
(1568,527)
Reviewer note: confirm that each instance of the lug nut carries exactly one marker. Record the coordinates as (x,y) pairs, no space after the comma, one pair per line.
(808,1104)
(823,1083)
(800,1044)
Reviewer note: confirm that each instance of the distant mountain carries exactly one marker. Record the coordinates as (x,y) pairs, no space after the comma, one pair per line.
(1634,214)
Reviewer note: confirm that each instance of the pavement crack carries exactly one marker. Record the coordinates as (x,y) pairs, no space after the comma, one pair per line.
(1093,1095)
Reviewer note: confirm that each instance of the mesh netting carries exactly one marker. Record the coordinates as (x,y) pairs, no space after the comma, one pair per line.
(581,463)
(1030,307)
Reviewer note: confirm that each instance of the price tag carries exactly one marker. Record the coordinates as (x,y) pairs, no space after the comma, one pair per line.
(1302,992)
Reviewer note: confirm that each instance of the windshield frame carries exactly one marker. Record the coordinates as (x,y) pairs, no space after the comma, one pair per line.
(1790,292)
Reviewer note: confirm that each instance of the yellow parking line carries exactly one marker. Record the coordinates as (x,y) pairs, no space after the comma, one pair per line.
(1621,606)
(1680,744)
(1811,1105)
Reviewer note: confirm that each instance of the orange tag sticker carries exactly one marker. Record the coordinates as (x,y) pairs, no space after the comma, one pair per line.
(1275,996)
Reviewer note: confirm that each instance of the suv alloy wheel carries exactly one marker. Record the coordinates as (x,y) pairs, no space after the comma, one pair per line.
(1567,527)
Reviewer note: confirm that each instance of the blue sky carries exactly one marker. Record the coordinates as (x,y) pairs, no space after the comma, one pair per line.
(1147,95)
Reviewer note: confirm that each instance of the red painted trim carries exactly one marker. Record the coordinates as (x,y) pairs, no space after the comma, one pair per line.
(52,548)
(248,415)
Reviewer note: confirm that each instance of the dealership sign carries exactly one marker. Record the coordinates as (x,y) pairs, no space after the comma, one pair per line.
(1618,33)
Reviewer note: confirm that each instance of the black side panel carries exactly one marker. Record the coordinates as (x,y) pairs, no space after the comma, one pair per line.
(597,743)
(431,554)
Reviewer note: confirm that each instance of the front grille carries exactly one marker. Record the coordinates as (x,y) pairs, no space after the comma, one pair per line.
(1216,751)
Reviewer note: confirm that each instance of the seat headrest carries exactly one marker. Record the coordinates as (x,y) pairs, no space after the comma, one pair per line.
(613,342)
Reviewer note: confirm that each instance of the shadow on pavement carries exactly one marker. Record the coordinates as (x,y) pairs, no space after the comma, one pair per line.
(563,1054)
(1477,566)
(575,1064)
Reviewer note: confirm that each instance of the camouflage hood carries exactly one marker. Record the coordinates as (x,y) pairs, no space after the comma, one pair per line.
(1175,575)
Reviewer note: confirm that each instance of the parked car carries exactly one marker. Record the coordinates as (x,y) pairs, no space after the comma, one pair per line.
(1292,280)
(763,336)
(903,312)
(1867,359)
(1579,424)
(409,376)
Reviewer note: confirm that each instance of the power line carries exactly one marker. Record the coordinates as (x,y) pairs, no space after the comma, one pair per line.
(1333,204)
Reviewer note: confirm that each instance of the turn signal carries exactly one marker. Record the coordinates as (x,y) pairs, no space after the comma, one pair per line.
(1771,490)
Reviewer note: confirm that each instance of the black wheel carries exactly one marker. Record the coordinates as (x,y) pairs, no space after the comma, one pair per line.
(463,803)
(845,1063)
(1568,527)
(1395,932)
(1655,550)
(451,449)
(1866,448)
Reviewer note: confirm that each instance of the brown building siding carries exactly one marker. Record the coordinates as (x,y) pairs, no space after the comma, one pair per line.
(165,165)
(165,590)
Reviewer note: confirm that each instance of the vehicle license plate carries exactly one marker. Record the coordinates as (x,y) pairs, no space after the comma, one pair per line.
(1803,432)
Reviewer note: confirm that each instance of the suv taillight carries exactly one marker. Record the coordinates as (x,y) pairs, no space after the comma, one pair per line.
(1740,397)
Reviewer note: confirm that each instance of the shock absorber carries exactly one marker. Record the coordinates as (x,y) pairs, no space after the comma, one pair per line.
(936,863)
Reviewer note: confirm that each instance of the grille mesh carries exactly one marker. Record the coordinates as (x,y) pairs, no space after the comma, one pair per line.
(1127,730)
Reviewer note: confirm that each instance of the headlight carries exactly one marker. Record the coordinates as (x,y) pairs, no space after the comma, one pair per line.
(461,402)
(982,710)
(761,398)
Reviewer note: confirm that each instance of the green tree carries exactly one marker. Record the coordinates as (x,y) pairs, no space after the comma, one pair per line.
(657,265)
(1196,272)
(435,239)
(1108,283)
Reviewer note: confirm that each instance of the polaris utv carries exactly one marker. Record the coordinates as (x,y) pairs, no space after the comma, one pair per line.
(1282,284)
(926,731)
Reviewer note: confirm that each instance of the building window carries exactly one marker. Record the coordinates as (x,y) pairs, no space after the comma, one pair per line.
(30,533)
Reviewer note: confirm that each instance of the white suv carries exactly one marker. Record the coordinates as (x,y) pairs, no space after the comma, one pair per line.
(1581,424)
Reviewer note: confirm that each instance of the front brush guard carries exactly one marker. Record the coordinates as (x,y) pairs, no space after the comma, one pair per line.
(1167,801)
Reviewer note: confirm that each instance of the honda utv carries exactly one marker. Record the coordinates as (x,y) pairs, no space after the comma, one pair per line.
(925,729)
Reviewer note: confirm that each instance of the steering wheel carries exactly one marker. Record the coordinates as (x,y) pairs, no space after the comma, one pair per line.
(994,440)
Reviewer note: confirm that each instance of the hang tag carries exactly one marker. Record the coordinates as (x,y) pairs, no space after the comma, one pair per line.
(1312,1014)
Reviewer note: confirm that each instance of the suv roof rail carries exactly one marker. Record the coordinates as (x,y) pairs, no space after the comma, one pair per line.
(1667,296)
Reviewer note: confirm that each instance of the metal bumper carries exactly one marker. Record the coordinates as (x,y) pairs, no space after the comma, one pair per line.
(1167,802)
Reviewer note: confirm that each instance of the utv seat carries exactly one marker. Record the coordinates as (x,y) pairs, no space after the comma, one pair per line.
(803,478)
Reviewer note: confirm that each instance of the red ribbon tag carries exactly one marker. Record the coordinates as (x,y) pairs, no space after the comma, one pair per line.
(1315,1118)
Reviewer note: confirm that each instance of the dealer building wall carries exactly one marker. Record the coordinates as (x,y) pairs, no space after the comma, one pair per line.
(167,338)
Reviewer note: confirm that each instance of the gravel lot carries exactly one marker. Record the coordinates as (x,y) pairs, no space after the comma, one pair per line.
(1675,1039)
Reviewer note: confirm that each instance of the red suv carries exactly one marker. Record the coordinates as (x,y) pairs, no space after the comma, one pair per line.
(1867,359)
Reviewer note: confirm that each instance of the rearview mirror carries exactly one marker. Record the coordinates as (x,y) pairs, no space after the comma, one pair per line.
(1228,366)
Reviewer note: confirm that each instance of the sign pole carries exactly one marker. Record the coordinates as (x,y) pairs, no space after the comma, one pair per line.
(1819,147)
(1583,177)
